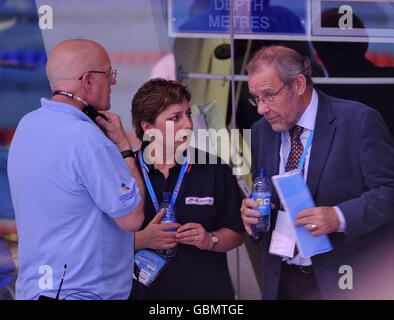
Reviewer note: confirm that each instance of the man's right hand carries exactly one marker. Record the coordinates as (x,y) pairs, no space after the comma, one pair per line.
(155,234)
(114,130)
(249,215)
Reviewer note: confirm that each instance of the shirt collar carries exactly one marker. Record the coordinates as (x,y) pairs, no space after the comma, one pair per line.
(308,118)
(149,167)
(65,108)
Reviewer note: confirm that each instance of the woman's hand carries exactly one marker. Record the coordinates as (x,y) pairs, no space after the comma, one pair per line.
(155,234)
(194,234)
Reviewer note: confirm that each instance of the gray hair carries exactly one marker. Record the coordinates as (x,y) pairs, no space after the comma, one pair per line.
(288,63)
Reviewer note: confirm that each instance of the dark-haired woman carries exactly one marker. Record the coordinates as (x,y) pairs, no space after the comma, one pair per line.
(207,204)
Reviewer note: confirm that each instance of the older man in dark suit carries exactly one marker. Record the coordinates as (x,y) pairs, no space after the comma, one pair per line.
(349,169)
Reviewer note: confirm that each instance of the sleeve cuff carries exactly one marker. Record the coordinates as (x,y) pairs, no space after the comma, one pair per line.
(342,221)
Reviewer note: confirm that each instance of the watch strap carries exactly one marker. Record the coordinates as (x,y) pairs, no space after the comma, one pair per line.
(214,239)
(128,153)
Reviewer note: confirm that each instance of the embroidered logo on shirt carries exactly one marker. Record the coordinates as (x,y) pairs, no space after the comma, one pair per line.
(124,187)
(199,201)
(128,193)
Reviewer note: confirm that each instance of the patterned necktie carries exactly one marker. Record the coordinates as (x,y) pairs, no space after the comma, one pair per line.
(295,156)
(296,148)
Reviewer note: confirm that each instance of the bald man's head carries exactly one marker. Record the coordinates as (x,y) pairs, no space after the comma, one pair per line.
(81,67)
(70,59)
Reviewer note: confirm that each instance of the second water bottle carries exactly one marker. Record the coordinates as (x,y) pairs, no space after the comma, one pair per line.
(261,193)
(169,217)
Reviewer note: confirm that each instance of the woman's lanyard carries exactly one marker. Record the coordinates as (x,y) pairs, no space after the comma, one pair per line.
(304,153)
(151,191)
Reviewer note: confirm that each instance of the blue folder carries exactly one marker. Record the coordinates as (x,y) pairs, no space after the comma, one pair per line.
(295,196)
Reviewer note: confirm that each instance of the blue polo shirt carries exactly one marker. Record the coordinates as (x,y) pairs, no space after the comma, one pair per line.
(68,181)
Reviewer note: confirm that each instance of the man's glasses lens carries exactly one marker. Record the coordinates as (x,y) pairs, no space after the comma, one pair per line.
(114,73)
(252,101)
(268,99)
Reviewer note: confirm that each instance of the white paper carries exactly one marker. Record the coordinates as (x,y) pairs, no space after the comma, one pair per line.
(283,238)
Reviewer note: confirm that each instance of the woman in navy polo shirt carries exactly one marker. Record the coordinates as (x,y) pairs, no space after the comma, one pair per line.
(207,204)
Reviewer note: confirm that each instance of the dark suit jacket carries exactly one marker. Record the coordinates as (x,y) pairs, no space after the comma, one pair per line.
(351,166)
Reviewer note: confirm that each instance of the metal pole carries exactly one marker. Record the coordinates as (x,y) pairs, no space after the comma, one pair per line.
(233,118)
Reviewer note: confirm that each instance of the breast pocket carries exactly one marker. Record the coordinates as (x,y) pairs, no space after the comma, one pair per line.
(200,201)
(201,210)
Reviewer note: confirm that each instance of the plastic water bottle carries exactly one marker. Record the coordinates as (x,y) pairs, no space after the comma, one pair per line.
(168,217)
(261,193)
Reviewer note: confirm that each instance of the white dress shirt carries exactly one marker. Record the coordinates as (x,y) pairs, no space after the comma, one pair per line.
(307,121)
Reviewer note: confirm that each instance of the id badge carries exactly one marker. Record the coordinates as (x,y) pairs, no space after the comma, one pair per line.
(283,239)
(150,265)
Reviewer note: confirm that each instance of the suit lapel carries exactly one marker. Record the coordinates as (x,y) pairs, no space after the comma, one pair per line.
(322,140)
(273,159)
(274,154)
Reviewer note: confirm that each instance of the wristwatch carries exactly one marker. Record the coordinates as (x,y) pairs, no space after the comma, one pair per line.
(214,239)
(128,153)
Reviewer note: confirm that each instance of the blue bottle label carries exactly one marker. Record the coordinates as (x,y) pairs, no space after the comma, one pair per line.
(263,200)
(167,219)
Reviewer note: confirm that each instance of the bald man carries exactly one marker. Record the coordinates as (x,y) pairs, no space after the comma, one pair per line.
(76,199)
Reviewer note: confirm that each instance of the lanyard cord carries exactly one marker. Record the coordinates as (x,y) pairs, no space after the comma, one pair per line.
(148,183)
(70,95)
